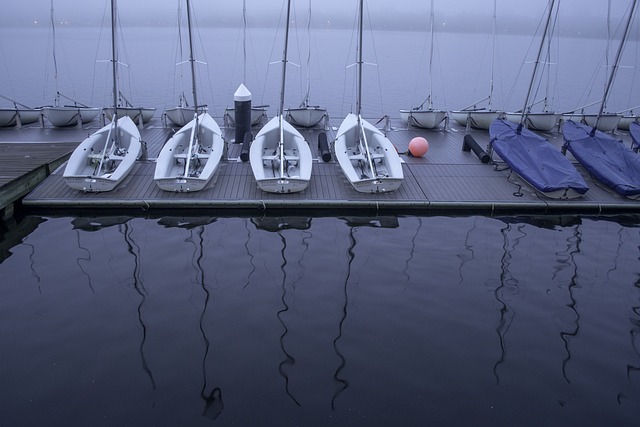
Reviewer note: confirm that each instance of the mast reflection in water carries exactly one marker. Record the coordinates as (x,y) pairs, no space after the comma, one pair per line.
(385,320)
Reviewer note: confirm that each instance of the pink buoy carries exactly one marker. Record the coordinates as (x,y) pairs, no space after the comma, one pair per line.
(418,146)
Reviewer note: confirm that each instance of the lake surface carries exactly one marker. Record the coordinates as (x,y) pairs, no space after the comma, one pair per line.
(395,75)
(321,321)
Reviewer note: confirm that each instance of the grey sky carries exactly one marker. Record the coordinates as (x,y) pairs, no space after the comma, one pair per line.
(576,15)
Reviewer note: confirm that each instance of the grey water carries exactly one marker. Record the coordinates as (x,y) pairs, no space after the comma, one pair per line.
(389,320)
(327,320)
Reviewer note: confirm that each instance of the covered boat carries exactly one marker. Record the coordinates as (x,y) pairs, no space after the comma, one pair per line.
(536,160)
(634,130)
(607,159)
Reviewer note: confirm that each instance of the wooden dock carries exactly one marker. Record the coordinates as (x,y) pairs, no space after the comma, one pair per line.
(447,180)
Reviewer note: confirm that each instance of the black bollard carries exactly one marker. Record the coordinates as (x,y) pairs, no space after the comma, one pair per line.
(323,146)
(471,144)
(246,145)
(242,112)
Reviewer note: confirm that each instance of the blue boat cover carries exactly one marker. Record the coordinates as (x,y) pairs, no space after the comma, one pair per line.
(534,158)
(634,130)
(606,158)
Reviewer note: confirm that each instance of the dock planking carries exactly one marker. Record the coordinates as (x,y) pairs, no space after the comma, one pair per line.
(447,180)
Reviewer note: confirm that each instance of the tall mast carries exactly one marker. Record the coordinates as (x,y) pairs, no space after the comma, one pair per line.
(192,58)
(284,59)
(537,63)
(493,53)
(305,102)
(244,41)
(360,24)
(114,60)
(431,22)
(616,63)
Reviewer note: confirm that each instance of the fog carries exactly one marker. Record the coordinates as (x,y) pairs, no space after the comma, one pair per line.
(576,16)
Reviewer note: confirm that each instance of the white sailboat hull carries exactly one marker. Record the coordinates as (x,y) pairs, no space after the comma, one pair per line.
(542,121)
(270,173)
(134,113)
(607,122)
(180,116)
(478,119)
(625,122)
(10,116)
(70,116)
(98,164)
(306,116)
(200,165)
(257,115)
(387,174)
(426,119)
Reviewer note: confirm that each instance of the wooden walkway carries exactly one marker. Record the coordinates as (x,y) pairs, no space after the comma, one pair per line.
(447,180)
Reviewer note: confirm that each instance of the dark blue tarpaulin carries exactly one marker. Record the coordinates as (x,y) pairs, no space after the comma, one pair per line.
(606,158)
(535,159)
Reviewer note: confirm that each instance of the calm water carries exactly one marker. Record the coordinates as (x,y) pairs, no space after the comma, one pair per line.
(321,321)
(395,77)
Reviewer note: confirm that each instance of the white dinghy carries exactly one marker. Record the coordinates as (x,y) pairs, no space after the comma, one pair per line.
(190,158)
(280,156)
(427,118)
(367,158)
(307,115)
(105,158)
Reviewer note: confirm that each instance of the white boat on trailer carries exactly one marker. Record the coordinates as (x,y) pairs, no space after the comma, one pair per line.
(189,158)
(105,158)
(367,158)
(280,157)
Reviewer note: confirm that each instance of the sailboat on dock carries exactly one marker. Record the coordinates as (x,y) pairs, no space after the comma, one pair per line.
(367,158)
(607,159)
(19,115)
(105,158)
(280,156)
(121,105)
(533,157)
(428,118)
(307,115)
(472,115)
(189,159)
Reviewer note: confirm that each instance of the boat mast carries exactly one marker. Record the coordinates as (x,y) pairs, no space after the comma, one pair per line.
(493,53)
(55,62)
(305,102)
(431,23)
(192,59)
(536,64)
(244,41)
(615,66)
(284,59)
(114,60)
(359,95)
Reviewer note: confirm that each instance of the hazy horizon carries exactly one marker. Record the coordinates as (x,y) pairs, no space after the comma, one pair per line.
(576,17)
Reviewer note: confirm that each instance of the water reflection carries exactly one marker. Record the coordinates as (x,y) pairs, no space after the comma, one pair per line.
(214,404)
(567,335)
(470,255)
(278,225)
(508,287)
(14,234)
(138,285)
